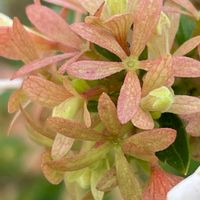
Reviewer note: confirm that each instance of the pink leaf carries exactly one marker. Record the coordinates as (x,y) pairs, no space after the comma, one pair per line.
(188,6)
(108,114)
(120,25)
(45,92)
(146,18)
(53,176)
(22,42)
(52,25)
(185,105)
(187,46)
(61,146)
(90,5)
(93,70)
(157,76)
(159,185)
(99,36)
(86,115)
(185,67)
(41,63)
(63,68)
(129,98)
(16,99)
(73,129)
(143,120)
(146,143)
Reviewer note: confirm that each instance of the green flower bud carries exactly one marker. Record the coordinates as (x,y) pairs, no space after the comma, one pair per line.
(163,23)
(80,85)
(158,100)
(69,108)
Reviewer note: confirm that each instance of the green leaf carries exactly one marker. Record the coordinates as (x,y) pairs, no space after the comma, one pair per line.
(107,54)
(177,155)
(186,28)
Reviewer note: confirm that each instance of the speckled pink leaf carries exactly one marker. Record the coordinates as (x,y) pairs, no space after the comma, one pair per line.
(149,63)
(7,49)
(93,70)
(64,67)
(108,114)
(23,43)
(193,126)
(52,25)
(86,115)
(185,67)
(71,4)
(45,92)
(188,46)
(41,63)
(157,76)
(142,120)
(73,129)
(159,184)
(120,25)
(185,105)
(148,142)
(99,36)
(61,146)
(18,97)
(188,6)
(127,181)
(146,18)
(81,160)
(90,5)
(53,176)
(129,98)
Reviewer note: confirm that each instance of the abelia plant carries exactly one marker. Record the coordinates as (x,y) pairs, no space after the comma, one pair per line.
(108,85)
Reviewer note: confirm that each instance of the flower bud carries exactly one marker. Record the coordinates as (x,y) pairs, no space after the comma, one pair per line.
(158,100)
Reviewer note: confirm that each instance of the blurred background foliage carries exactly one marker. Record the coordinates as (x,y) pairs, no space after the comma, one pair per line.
(20,174)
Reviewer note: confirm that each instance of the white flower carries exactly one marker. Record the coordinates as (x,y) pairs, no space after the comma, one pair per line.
(188,189)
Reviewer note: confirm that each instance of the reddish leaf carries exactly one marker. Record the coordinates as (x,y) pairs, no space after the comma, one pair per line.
(61,146)
(22,42)
(143,120)
(53,176)
(90,5)
(159,185)
(187,46)
(45,92)
(186,4)
(52,25)
(64,67)
(108,114)
(82,160)
(185,105)
(73,129)
(129,98)
(86,115)
(41,63)
(99,36)
(145,144)
(7,49)
(157,76)
(15,100)
(120,25)
(93,70)
(146,18)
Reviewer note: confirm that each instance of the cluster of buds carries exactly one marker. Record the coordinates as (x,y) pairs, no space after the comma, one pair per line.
(102,83)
